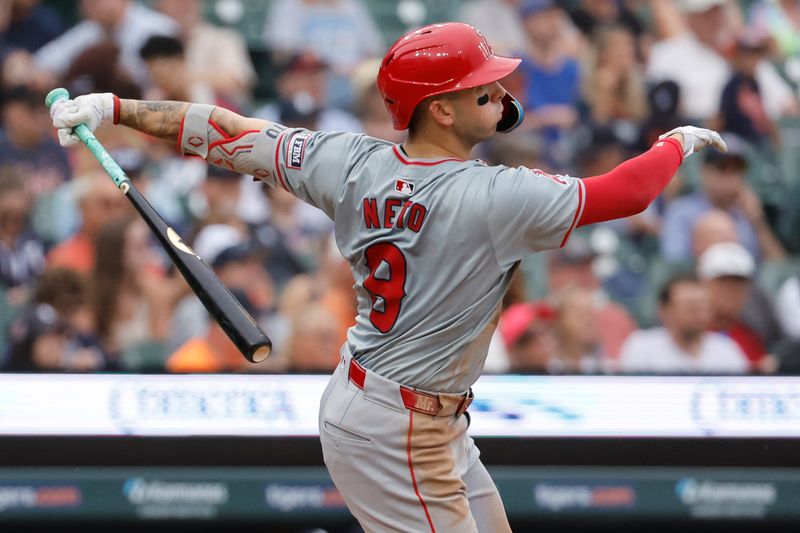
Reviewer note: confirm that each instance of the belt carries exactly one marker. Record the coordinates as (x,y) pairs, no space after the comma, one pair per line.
(414,400)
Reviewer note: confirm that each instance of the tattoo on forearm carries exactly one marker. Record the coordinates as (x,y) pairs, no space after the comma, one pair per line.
(160,119)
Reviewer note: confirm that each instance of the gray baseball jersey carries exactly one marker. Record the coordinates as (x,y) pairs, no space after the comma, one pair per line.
(431,243)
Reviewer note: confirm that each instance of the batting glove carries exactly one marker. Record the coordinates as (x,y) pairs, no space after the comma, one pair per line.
(694,139)
(89,109)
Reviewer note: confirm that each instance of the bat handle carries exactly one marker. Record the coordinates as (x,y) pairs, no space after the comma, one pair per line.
(85,134)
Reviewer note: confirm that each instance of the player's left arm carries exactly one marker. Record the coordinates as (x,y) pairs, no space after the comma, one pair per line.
(633,185)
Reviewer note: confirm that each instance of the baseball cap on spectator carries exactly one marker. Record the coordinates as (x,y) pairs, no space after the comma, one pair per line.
(515,321)
(34,322)
(664,98)
(700,6)
(212,240)
(531,7)
(734,157)
(726,259)
(304,62)
(300,111)
(236,253)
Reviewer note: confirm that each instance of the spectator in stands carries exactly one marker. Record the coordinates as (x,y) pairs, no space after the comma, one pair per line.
(98,69)
(577,331)
(27,24)
(520,149)
(693,51)
(216,57)
(129,24)
(41,341)
(213,351)
(68,293)
(499,21)
(19,68)
(240,265)
(331,285)
(787,305)
(132,301)
(100,203)
(313,343)
(218,198)
(551,76)
(664,103)
(601,151)
(21,253)
(238,262)
(527,333)
(712,227)
(369,107)
(683,345)
(779,19)
(613,86)
(302,81)
(293,233)
(589,16)
(758,316)
(727,270)
(190,318)
(340,32)
(571,266)
(27,144)
(741,105)
(722,186)
(166,64)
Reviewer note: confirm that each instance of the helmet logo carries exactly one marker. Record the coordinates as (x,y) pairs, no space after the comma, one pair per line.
(484,45)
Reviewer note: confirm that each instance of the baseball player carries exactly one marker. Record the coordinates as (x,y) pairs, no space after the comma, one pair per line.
(433,238)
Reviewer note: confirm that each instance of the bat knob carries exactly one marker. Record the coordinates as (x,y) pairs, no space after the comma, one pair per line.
(55,95)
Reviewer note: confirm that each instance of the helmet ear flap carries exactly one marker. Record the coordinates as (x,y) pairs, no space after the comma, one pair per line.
(513,114)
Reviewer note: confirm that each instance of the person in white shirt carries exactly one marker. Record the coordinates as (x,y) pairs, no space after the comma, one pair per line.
(684,345)
(787,303)
(128,24)
(691,56)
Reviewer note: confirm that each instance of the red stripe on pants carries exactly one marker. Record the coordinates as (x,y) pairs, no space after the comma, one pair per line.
(411,469)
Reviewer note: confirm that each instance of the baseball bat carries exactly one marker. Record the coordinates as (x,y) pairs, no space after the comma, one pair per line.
(237,323)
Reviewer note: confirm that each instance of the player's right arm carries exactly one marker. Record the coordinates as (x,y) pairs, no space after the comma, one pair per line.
(298,160)
(162,119)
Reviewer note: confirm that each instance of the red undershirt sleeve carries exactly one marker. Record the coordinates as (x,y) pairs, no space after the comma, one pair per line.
(630,187)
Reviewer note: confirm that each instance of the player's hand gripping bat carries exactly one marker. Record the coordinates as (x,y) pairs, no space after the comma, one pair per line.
(218,300)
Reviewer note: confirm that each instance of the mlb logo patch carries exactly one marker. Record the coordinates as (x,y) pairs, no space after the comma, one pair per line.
(404,187)
(297,149)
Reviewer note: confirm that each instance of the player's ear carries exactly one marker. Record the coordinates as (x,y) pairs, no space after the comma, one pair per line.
(442,111)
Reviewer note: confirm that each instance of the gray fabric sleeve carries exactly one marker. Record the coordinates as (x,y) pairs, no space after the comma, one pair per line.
(530,210)
(195,133)
(313,165)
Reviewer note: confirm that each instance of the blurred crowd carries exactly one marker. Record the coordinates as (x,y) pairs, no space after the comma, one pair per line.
(706,280)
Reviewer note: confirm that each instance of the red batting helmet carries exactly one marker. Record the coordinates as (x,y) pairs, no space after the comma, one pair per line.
(442,58)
